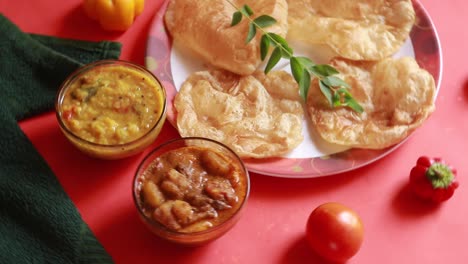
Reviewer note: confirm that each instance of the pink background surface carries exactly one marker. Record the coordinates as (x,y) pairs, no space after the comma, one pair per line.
(398,228)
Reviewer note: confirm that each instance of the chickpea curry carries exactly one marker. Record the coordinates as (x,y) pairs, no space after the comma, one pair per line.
(192,188)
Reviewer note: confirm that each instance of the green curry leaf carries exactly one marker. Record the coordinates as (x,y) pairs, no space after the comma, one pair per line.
(326,91)
(264,46)
(296,69)
(246,11)
(236,18)
(264,21)
(323,70)
(304,84)
(274,59)
(335,89)
(334,81)
(252,32)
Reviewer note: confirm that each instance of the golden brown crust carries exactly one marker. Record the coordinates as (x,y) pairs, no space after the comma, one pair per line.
(240,112)
(397,96)
(204,26)
(357,30)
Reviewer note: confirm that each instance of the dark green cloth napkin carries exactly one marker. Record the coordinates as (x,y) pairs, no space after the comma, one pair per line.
(38,221)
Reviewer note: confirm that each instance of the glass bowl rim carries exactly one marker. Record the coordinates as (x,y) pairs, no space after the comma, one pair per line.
(76,73)
(161,227)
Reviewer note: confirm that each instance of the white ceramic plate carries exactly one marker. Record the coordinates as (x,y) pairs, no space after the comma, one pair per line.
(313,157)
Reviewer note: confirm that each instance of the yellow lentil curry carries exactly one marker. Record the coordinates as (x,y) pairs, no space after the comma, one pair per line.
(112,104)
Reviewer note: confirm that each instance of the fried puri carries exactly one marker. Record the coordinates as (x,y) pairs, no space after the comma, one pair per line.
(258,116)
(204,26)
(397,96)
(356,30)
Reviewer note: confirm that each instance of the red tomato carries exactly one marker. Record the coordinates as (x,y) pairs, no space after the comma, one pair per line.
(335,232)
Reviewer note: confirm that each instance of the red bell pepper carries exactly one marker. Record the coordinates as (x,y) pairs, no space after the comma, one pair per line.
(433,179)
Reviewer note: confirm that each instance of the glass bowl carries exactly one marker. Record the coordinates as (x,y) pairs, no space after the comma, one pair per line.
(111,109)
(191,190)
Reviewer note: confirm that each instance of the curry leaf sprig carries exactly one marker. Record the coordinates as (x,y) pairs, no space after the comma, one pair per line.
(332,87)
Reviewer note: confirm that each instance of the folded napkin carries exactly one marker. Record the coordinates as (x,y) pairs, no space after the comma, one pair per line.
(38,221)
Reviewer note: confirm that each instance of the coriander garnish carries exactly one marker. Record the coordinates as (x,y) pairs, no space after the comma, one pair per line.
(332,87)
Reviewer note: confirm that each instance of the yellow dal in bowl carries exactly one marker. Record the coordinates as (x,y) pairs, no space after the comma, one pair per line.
(112,104)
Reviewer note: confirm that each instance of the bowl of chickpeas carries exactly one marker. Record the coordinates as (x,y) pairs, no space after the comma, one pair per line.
(191,190)
(111,109)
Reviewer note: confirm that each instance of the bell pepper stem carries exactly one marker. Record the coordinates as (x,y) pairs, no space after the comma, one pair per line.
(440,175)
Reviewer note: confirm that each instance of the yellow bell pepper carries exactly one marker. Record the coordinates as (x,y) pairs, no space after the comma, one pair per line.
(114,14)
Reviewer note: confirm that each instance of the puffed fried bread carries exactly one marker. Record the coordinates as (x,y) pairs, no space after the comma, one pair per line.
(258,116)
(396,94)
(204,27)
(357,30)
